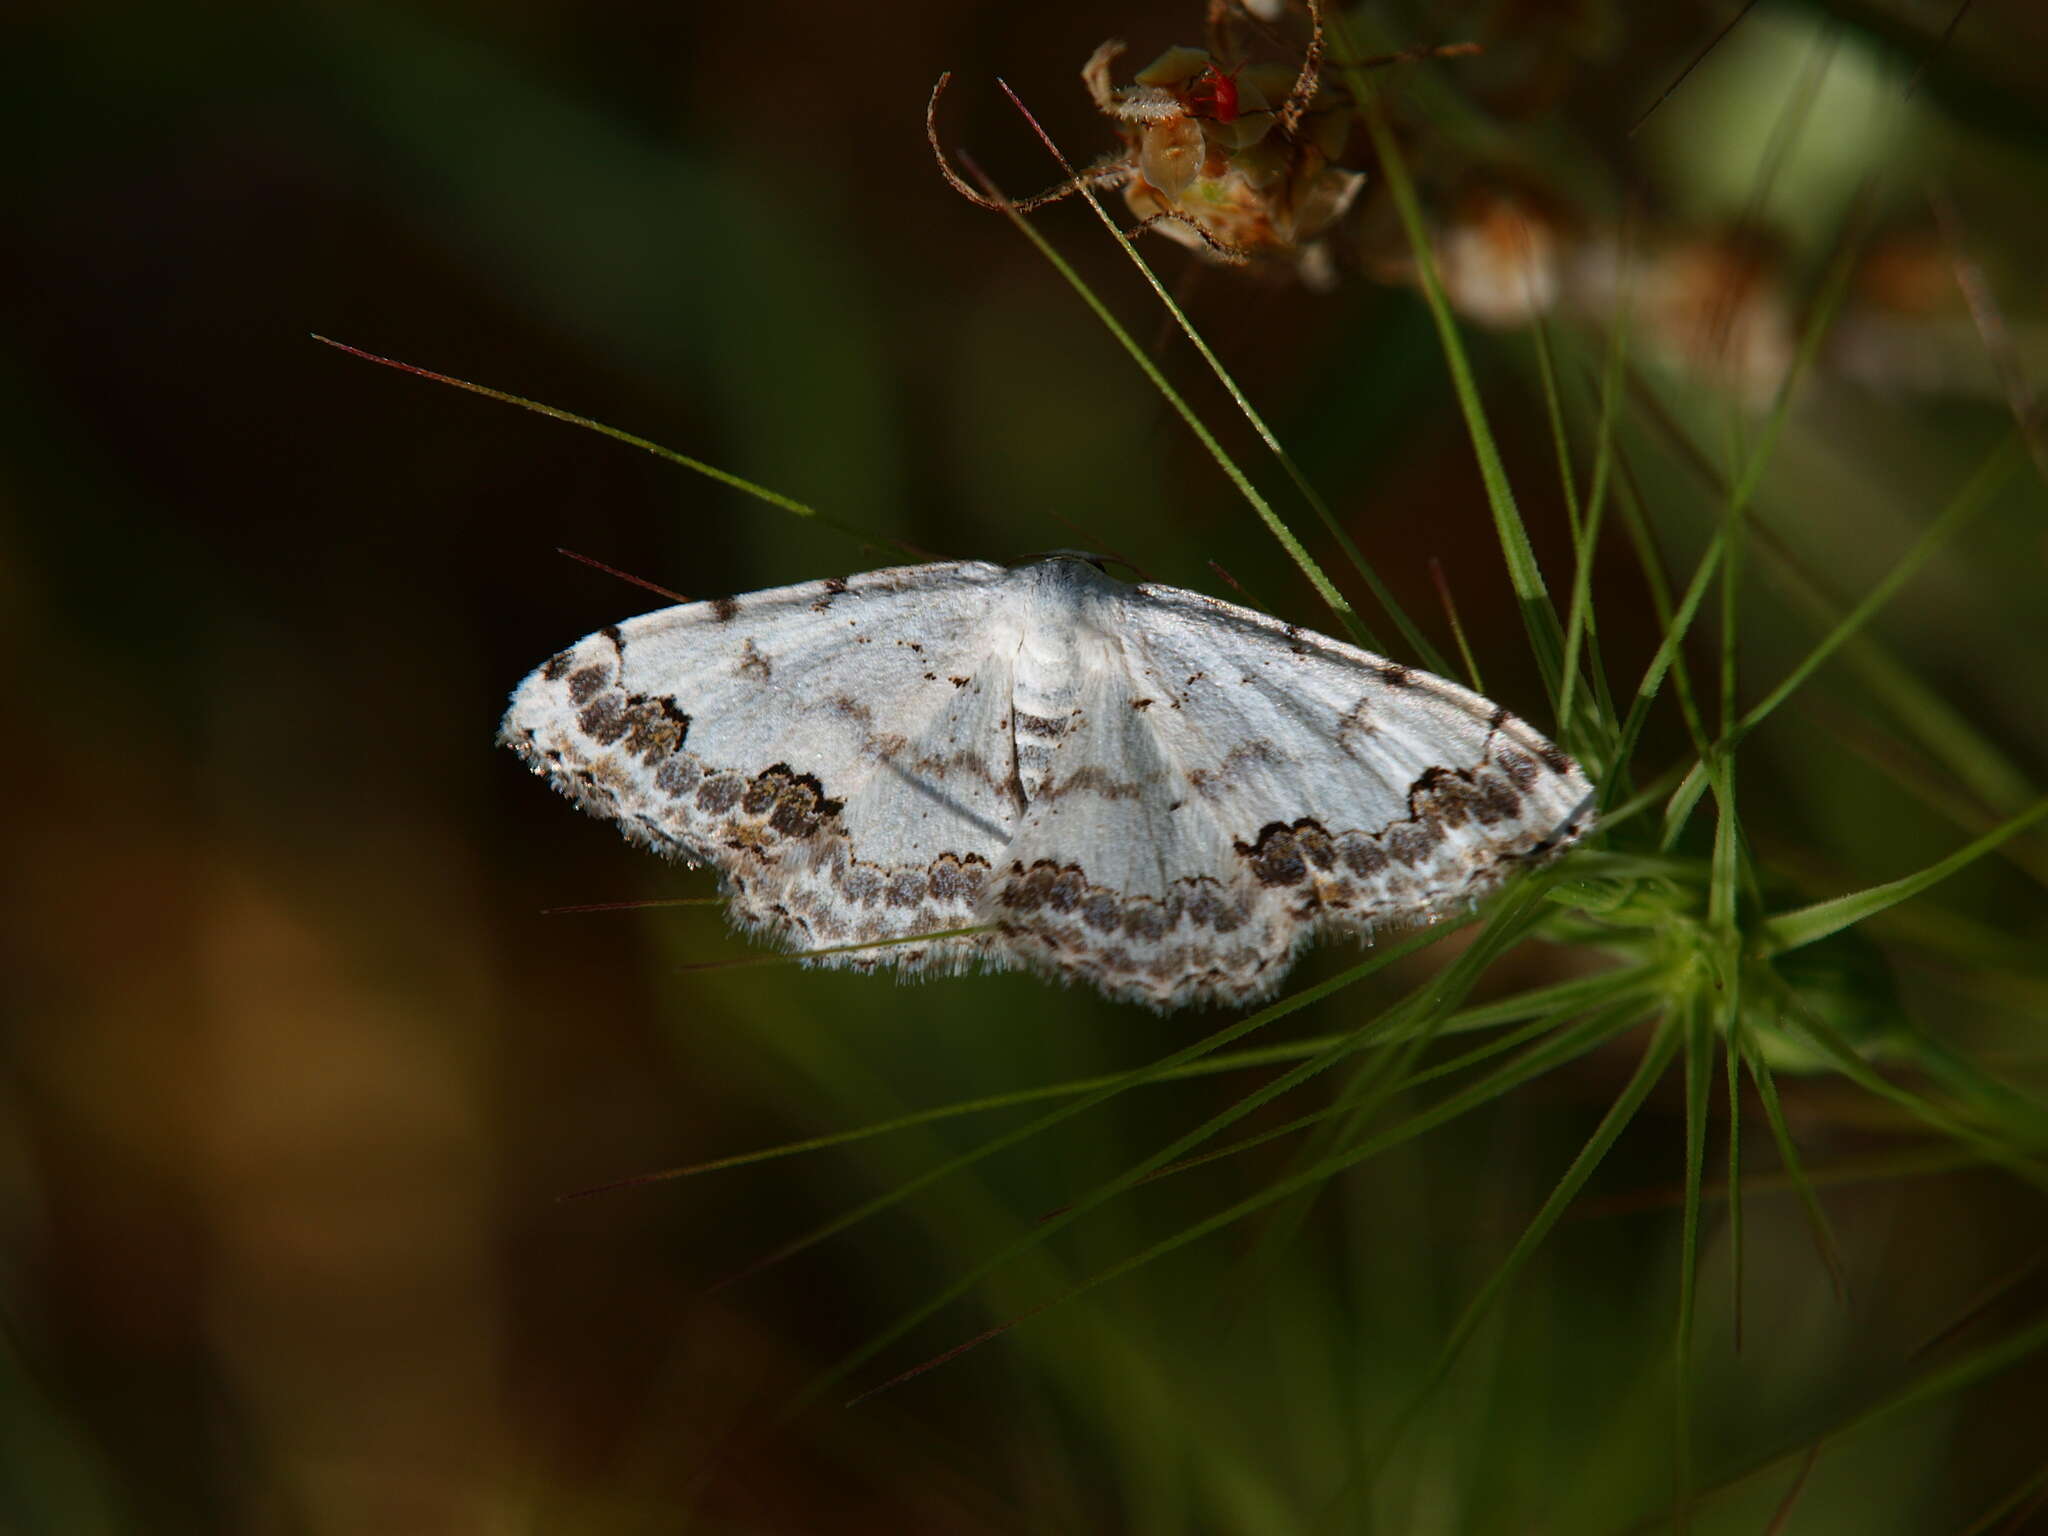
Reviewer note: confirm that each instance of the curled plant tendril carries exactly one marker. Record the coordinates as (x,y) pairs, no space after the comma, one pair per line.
(1236,255)
(1195,165)
(1107,174)
(1307,82)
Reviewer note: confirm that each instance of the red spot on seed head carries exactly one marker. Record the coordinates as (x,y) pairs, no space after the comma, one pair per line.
(1214,95)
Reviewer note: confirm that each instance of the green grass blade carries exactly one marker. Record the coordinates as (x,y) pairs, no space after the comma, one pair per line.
(2023,1499)
(1936,1158)
(1742,493)
(1724,920)
(1553,411)
(1795,1172)
(1926,714)
(1358,1102)
(695,466)
(1731,597)
(1977,1366)
(1699,1064)
(1990,1097)
(1579,621)
(1790,930)
(1635,518)
(1337,602)
(1976,494)
(1539,615)
(1542,1004)
(1089,1100)
(1732,1057)
(1443,587)
(1544,1058)
(1500,1045)
(1344,1121)
(1429,654)
(1667,649)
(1858,1071)
(1656,1057)
(1511,919)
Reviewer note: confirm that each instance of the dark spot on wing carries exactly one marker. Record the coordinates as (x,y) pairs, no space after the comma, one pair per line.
(1314,844)
(1363,855)
(1494,800)
(655,728)
(725,609)
(1411,842)
(1394,675)
(760,795)
(585,681)
(678,776)
(720,793)
(1518,766)
(1357,721)
(1206,781)
(1094,778)
(1276,858)
(954,878)
(603,720)
(801,804)
(906,888)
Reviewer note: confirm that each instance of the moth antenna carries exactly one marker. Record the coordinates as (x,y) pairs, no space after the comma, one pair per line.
(1238,587)
(1088,537)
(1108,174)
(626,576)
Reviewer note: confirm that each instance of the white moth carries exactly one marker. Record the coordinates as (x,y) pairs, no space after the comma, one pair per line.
(1163,794)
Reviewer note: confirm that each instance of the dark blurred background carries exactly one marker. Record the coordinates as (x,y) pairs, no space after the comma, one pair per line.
(295,1068)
